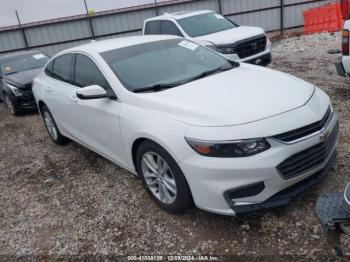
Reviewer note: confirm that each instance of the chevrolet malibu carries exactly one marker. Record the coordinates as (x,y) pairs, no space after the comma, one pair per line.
(195,127)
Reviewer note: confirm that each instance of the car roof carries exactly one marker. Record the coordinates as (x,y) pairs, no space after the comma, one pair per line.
(179,15)
(115,43)
(10,56)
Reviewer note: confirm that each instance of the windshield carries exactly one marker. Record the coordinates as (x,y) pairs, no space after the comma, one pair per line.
(205,24)
(23,63)
(167,62)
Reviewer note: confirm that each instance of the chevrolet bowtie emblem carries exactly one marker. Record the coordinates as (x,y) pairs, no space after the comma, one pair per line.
(324,136)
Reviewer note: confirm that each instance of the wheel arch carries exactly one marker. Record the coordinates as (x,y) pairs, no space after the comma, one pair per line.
(138,141)
(135,146)
(41,104)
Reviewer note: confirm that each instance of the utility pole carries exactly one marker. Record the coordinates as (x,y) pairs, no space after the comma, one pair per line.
(90,20)
(156,7)
(23,32)
(220,6)
(282,16)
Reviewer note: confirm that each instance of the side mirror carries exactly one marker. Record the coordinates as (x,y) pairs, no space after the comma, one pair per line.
(92,92)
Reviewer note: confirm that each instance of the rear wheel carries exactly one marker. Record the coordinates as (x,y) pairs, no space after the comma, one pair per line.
(163,178)
(51,127)
(11,106)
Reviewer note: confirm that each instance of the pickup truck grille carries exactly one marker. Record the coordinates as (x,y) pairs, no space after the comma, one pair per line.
(251,46)
(306,130)
(308,159)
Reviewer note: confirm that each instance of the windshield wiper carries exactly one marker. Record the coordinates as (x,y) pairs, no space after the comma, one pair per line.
(11,73)
(212,71)
(163,86)
(157,87)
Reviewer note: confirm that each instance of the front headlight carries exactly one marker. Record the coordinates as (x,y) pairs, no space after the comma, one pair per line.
(212,47)
(15,90)
(239,148)
(226,50)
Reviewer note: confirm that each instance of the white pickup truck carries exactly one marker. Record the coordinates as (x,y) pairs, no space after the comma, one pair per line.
(343,63)
(239,43)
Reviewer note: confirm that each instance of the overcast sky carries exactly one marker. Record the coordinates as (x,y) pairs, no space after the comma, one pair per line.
(36,10)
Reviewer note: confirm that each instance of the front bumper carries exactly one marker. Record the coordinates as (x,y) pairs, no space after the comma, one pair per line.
(263,58)
(285,196)
(25,102)
(340,67)
(211,178)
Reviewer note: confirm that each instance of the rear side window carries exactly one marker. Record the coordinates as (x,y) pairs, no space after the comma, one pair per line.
(87,73)
(48,69)
(169,28)
(152,28)
(62,68)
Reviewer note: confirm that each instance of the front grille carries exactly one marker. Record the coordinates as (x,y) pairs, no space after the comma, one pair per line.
(28,86)
(308,158)
(306,130)
(251,47)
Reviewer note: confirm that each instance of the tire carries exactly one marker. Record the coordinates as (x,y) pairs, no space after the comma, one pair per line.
(161,185)
(52,128)
(10,105)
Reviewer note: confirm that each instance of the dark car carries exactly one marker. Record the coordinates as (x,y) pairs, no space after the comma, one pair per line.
(17,72)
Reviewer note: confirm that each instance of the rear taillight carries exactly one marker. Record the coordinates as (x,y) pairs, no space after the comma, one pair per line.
(345,42)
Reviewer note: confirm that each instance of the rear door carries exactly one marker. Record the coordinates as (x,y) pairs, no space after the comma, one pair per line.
(59,91)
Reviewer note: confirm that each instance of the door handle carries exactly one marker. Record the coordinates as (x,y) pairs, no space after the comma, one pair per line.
(74,98)
(48,89)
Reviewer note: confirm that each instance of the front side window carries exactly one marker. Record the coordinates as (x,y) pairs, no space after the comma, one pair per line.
(152,28)
(87,73)
(167,61)
(169,28)
(23,63)
(205,24)
(62,68)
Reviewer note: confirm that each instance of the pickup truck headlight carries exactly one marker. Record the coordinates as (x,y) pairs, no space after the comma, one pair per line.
(225,50)
(239,148)
(16,91)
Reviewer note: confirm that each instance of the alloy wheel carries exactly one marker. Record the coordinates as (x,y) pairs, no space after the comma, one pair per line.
(50,125)
(159,177)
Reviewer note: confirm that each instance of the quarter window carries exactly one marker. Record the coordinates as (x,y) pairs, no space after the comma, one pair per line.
(62,68)
(87,73)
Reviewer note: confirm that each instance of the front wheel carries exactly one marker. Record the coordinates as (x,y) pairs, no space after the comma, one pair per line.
(163,178)
(51,127)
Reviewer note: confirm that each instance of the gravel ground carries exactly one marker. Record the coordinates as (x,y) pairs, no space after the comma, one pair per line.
(68,201)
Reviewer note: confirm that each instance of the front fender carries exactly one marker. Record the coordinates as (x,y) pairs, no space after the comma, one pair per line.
(168,133)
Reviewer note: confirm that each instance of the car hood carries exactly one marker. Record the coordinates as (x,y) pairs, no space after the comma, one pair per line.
(21,79)
(231,36)
(242,95)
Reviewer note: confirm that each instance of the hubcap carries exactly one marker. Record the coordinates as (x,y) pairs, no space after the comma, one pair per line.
(50,125)
(159,177)
(9,105)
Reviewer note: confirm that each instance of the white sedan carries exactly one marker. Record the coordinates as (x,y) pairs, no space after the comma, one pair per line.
(197,128)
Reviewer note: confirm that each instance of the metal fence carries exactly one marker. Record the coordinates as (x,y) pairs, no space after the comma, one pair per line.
(55,35)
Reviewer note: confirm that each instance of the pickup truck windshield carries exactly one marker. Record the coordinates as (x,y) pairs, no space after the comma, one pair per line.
(205,24)
(163,64)
(23,63)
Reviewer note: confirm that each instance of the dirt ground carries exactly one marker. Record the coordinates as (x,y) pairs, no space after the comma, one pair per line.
(68,201)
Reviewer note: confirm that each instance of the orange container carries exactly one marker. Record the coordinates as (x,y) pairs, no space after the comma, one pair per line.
(325,18)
